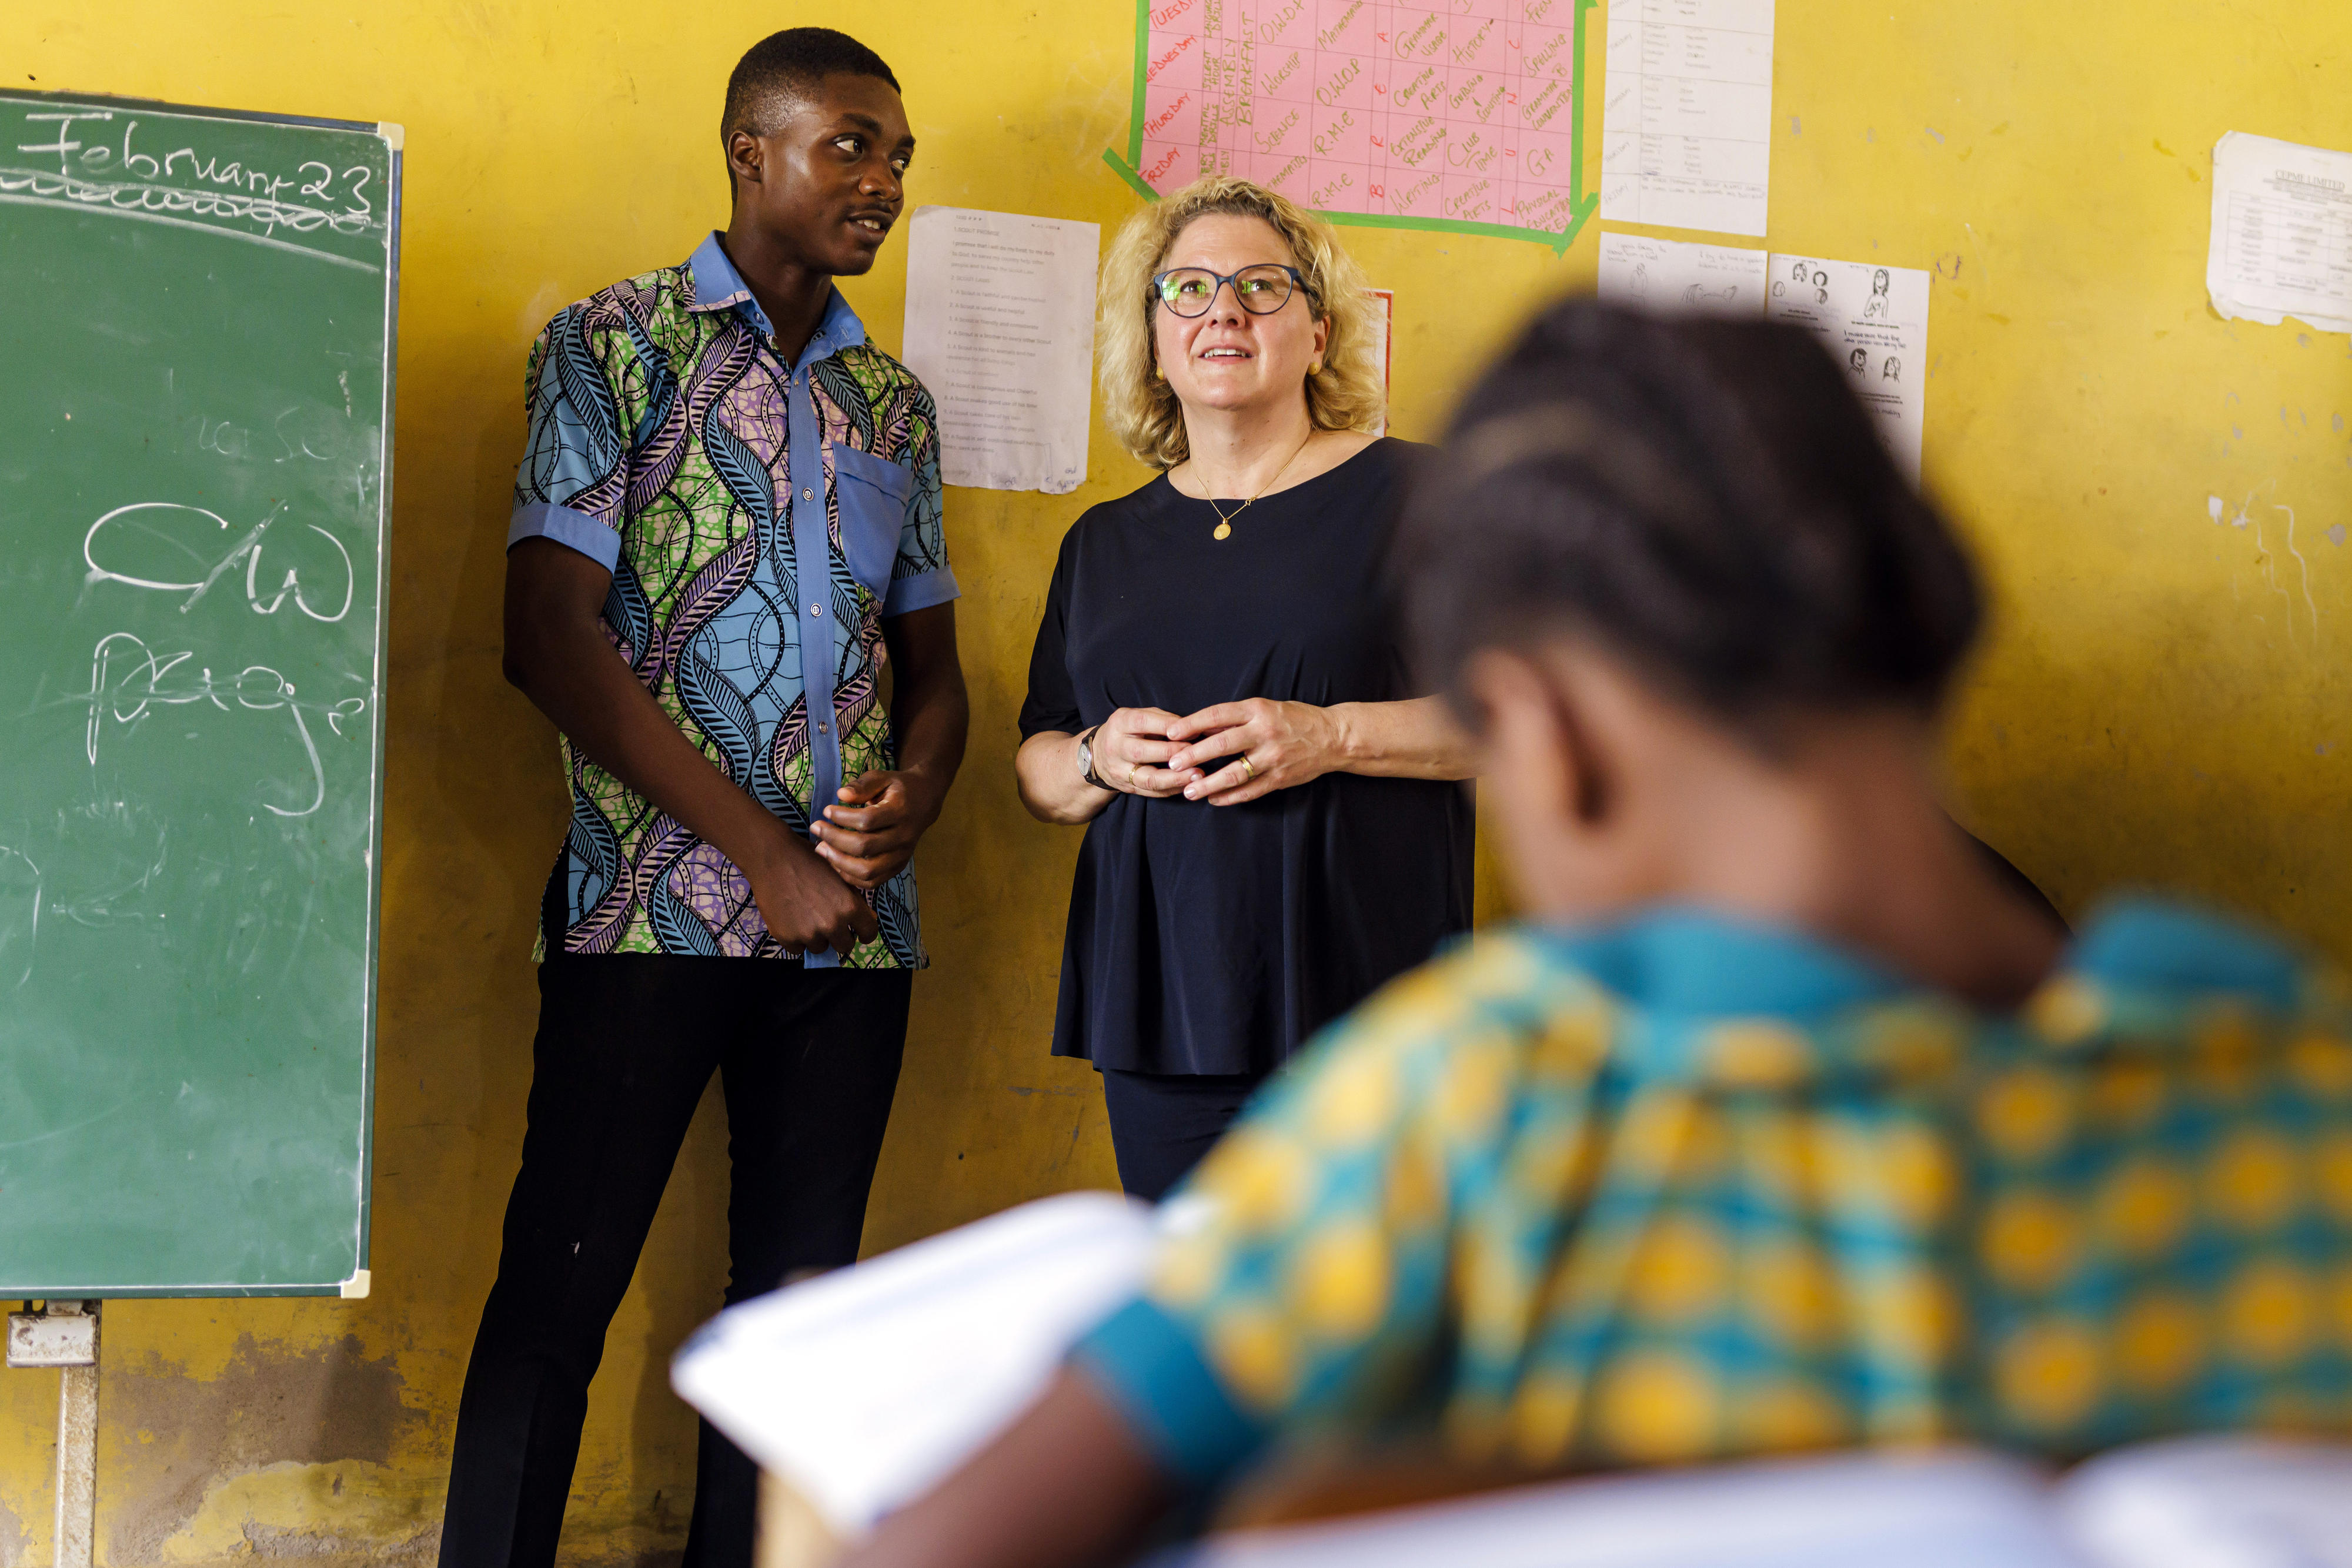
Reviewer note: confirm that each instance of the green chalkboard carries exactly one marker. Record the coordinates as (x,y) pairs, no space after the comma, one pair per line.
(195,396)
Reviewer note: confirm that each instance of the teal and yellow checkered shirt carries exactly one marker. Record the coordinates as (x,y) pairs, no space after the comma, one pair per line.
(1691,1189)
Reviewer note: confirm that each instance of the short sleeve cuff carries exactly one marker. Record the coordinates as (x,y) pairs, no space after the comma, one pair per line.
(1145,1363)
(545,521)
(920,592)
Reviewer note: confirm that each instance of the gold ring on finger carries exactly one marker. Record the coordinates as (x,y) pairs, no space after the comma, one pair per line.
(1130,776)
(1248,772)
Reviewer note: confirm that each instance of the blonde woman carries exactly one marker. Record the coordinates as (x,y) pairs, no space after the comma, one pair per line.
(1218,692)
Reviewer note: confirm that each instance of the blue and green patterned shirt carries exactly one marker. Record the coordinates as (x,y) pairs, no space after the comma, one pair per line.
(1690,1188)
(761,519)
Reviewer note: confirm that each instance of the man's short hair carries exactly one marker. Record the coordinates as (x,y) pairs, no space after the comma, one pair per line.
(784,69)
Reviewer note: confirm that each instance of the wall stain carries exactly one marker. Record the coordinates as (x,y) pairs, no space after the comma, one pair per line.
(173,1437)
(13,1538)
(321,1549)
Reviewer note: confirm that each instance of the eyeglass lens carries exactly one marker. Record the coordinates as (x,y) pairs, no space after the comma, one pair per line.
(1191,290)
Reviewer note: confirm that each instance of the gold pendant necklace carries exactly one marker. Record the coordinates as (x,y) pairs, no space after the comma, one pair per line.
(1224,528)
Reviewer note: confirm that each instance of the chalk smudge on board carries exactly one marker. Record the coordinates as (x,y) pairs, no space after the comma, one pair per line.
(12,882)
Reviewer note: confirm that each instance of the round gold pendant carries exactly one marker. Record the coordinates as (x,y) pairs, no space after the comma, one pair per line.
(1224,531)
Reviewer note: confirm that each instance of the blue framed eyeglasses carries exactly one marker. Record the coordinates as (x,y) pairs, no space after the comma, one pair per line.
(1261,290)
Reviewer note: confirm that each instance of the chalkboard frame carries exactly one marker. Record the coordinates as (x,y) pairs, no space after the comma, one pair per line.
(358,1284)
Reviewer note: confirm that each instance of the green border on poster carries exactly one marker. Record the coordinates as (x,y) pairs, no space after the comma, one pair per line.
(1581,206)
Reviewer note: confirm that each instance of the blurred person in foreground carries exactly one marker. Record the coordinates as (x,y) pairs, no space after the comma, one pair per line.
(1785,1122)
(1219,690)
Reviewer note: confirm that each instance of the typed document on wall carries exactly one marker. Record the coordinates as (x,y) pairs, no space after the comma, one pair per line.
(1686,122)
(999,326)
(2282,242)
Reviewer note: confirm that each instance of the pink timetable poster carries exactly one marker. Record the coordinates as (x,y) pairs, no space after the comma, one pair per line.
(1457,115)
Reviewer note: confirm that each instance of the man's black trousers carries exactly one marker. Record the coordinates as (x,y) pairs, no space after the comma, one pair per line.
(626,1044)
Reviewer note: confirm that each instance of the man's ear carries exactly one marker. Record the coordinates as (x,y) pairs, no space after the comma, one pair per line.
(746,159)
(1535,727)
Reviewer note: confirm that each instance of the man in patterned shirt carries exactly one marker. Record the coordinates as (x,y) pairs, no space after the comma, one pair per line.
(725,524)
(1785,1122)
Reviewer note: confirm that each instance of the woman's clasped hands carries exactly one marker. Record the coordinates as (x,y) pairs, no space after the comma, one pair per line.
(1222,755)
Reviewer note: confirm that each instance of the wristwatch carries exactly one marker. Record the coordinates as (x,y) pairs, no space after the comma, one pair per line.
(1086,759)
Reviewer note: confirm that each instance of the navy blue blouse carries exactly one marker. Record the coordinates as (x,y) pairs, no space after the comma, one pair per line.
(1217,939)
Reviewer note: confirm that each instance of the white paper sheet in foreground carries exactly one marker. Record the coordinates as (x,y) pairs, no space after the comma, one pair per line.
(2282,242)
(864,1386)
(1673,278)
(2214,1501)
(1929,1509)
(1874,320)
(999,324)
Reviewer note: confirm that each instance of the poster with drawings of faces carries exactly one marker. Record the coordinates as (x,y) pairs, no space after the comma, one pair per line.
(1874,321)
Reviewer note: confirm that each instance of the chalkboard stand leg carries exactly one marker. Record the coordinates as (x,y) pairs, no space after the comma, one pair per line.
(78,1452)
(64,1334)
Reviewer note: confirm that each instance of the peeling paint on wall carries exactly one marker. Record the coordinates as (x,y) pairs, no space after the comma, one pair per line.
(181,1447)
(15,1540)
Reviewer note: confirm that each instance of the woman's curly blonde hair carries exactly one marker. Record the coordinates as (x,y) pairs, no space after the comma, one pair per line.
(1142,408)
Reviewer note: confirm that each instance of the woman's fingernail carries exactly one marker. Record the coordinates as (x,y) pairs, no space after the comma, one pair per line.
(1191,793)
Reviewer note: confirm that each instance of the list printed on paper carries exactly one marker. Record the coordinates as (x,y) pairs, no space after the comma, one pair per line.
(1460,115)
(1000,326)
(2282,242)
(1874,321)
(1687,126)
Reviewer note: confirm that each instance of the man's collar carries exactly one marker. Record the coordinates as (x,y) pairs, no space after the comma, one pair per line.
(718,287)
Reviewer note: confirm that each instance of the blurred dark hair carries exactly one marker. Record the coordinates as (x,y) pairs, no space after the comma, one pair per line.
(1707,498)
(785,68)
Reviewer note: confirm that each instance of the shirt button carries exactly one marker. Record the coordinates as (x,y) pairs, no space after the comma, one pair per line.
(816,609)
(808,495)
(821,729)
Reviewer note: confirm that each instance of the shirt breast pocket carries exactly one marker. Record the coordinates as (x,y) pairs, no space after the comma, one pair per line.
(872,495)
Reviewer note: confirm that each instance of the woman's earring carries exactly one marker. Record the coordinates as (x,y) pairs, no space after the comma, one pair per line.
(1158,374)
(1316,369)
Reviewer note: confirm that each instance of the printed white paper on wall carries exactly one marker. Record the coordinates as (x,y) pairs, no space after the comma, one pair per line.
(1384,328)
(999,326)
(1686,124)
(1672,276)
(2282,242)
(1874,321)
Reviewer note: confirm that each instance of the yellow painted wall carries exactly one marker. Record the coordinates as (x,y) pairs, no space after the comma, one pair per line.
(2158,705)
